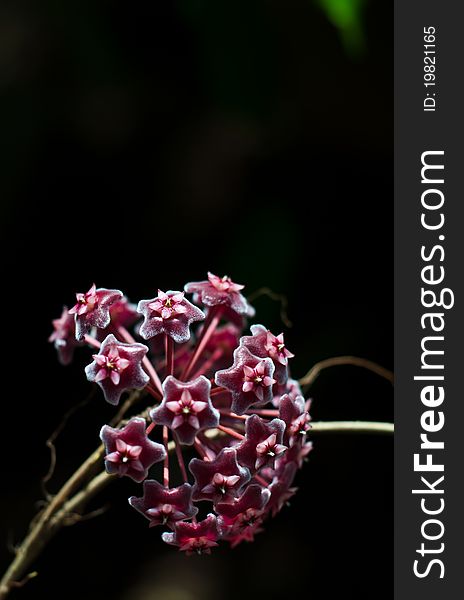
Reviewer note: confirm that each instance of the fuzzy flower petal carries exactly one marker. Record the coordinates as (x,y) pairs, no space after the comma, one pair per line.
(220,479)
(168,313)
(243,514)
(194,538)
(249,379)
(263,344)
(291,387)
(129,451)
(164,506)
(262,444)
(117,368)
(220,291)
(280,488)
(92,309)
(186,408)
(64,337)
(293,412)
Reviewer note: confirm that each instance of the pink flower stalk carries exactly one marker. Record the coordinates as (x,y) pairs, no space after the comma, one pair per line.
(117,368)
(227,396)
(92,309)
(168,313)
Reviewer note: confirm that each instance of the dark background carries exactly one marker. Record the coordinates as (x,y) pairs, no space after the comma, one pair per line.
(144,144)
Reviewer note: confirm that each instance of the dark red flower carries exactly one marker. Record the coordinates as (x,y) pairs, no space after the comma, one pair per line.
(247,458)
(117,368)
(293,412)
(262,444)
(291,387)
(129,451)
(164,506)
(249,379)
(64,337)
(194,538)
(219,479)
(263,344)
(93,309)
(219,291)
(186,408)
(244,514)
(280,489)
(168,313)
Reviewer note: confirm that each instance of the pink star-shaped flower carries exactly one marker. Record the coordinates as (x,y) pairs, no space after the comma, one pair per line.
(123,313)
(244,513)
(280,489)
(164,506)
(117,368)
(219,479)
(220,291)
(64,337)
(93,309)
(290,387)
(249,379)
(186,408)
(297,453)
(129,451)
(168,313)
(262,343)
(262,444)
(194,538)
(292,411)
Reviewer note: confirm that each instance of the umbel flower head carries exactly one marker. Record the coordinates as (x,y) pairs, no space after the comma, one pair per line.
(221,404)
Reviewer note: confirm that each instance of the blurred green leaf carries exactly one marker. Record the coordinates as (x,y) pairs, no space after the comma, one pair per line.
(346,16)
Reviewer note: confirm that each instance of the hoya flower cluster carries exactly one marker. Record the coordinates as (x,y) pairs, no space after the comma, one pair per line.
(224,401)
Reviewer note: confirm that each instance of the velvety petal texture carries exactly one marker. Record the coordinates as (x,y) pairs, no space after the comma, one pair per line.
(194,538)
(263,344)
(249,379)
(280,488)
(223,404)
(297,420)
(129,451)
(186,408)
(64,337)
(241,517)
(220,479)
(168,313)
(218,291)
(92,309)
(164,506)
(117,367)
(291,387)
(262,444)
